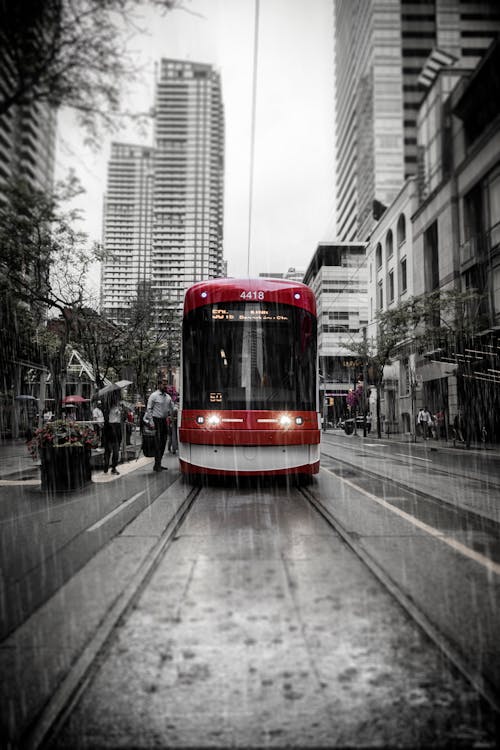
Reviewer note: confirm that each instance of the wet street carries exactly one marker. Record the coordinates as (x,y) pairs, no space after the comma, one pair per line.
(361,610)
(261,628)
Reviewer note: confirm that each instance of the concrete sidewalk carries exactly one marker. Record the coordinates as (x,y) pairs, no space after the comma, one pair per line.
(16,462)
(15,457)
(406,438)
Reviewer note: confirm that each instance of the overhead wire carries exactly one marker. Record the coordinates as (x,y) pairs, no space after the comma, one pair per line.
(252,130)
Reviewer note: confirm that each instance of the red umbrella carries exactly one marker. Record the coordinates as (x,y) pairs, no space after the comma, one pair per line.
(74,400)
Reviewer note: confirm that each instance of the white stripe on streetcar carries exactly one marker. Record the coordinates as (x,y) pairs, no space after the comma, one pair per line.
(115,512)
(491,566)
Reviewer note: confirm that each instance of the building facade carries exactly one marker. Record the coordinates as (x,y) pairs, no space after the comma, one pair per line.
(381,50)
(338,276)
(390,283)
(27,153)
(186,244)
(127,220)
(445,225)
(163,219)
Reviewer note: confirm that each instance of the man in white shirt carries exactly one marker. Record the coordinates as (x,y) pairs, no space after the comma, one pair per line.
(424,419)
(158,409)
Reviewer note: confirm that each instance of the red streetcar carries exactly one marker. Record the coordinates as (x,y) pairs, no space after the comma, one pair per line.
(249,395)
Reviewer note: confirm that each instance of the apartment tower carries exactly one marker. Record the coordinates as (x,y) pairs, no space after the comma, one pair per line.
(27,145)
(381,48)
(127,228)
(188,180)
(164,203)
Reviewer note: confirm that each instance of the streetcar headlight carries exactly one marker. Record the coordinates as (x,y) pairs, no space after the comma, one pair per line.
(213,419)
(200,420)
(285,420)
(299,420)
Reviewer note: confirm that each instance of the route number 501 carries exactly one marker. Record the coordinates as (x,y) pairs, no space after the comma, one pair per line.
(252,295)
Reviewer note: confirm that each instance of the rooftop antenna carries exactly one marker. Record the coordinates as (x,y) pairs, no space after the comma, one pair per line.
(252,132)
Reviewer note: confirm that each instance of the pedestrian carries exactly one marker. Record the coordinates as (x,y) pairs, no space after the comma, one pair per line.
(439,422)
(98,419)
(458,424)
(158,409)
(112,432)
(424,420)
(47,416)
(129,424)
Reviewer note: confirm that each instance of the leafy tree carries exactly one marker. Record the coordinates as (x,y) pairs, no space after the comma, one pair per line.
(72,53)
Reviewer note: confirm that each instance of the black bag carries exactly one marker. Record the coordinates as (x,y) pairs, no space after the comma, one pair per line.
(148,441)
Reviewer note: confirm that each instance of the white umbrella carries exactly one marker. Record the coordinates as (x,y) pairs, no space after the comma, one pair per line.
(113,387)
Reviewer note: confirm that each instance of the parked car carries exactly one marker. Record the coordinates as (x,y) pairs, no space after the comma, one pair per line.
(348,424)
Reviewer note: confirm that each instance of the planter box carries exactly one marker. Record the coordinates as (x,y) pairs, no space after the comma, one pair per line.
(65,468)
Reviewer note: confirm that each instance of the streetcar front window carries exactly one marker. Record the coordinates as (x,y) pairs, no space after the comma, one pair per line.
(249,356)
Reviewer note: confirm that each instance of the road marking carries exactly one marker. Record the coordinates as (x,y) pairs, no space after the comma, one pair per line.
(491,566)
(15,482)
(115,512)
(416,458)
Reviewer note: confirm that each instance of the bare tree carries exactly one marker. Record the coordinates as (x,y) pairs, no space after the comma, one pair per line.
(71,53)
(44,261)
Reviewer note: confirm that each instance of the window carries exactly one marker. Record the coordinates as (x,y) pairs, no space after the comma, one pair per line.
(404,380)
(389,244)
(494,201)
(431,258)
(380,296)
(496,292)
(378,256)
(401,229)
(390,292)
(402,267)
(268,359)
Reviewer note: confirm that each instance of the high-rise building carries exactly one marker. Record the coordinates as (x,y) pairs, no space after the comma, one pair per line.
(127,228)
(164,205)
(382,47)
(27,145)
(188,180)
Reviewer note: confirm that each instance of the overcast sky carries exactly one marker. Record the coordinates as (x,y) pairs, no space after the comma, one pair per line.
(293,192)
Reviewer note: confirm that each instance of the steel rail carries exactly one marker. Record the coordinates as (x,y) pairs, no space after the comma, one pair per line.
(473,676)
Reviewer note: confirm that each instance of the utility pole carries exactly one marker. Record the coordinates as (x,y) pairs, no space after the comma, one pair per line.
(365,356)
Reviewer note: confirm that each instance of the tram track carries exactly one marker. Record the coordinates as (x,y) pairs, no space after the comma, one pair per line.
(452,654)
(68,695)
